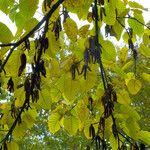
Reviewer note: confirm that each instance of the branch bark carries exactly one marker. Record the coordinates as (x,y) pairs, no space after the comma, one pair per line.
(45,18)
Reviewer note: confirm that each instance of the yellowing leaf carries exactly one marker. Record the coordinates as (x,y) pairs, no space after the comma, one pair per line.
(70,88)
(54,122)
(110,17)
(128,65)
(82,111)
(123,97)
(19,131)
(108,51)
(144,50)
(5,34)
(12,146)
(29,117)
(113,142)
(131,124)
(134,86)
(71,125)
(146,77)
(144,136)
(83,31)
(129,76)
(123,54)
(45,98)
(71,29)
(126,111)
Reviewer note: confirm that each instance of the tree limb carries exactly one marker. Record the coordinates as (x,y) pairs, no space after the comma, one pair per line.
(46,17)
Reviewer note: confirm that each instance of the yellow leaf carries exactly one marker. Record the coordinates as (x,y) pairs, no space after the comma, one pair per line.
(146,77)
(108,51)
(71,125)
(45,98)
(71,29)
(129,76)
(19,131)
(123,97)
(31,115)
(12,146)
(113,142)
(54,122)
(82,111)
(83,31)
(144,50)
(123,54)
(134,86)
(144,136)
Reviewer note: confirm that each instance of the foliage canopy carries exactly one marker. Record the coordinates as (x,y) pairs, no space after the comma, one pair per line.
(74,81)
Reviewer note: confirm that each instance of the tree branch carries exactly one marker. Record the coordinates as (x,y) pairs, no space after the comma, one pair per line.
(136,20)
(46,17)
(6,45)
(104,79)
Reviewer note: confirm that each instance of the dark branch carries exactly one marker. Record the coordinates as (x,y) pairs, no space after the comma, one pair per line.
(104,79)
(6,45)
(46,17)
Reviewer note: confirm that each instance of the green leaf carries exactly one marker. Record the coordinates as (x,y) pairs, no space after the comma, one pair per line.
(134,86)
(118,28)
(108,51)
(20,20)
(110,17)
(135,5)
(6,5)
(5,34)
(71,125)
(131,124)
(144,136)
(137,27)
(30,24)
(28,7)
(53,122)
(144,50)
(71,29)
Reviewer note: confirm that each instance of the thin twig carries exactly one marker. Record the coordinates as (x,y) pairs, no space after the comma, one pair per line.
(148,27)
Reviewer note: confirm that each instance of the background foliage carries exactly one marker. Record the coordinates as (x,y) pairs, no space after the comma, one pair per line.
(65,86)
